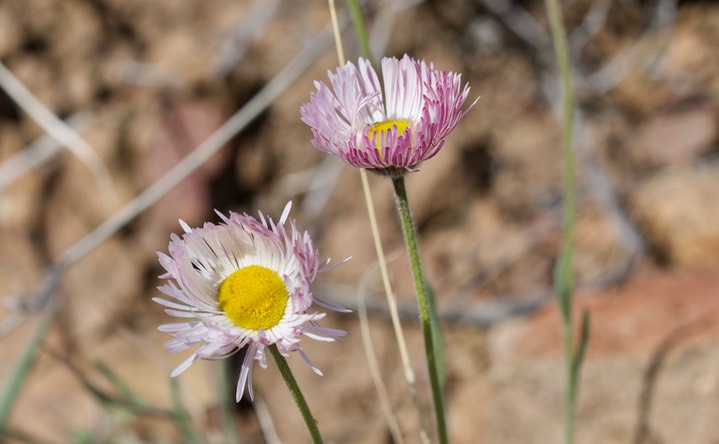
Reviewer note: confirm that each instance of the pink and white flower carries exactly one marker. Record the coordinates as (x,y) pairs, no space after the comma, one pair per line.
(389,128)
(243,283)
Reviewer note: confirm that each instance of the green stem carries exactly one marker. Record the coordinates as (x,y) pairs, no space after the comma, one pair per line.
(356,13)
(227,403)
(296,393)
(424,298)
(181,417)
(22,368)
(563,274)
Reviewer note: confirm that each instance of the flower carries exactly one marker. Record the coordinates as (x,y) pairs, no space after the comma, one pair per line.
(390,129)
(242,283)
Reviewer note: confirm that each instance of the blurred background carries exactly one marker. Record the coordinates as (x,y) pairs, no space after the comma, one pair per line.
(145,84)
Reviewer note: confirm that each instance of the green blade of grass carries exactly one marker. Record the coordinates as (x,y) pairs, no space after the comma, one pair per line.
(24,364)
(182,419)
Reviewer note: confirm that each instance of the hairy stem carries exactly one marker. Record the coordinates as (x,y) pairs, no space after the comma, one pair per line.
(424,298)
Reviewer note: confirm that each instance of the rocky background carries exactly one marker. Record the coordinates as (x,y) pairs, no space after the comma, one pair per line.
(145,83)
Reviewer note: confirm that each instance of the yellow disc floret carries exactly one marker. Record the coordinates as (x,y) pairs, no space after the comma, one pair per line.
(253,297)
(382,128)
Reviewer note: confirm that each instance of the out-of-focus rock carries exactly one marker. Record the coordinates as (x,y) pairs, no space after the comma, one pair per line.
(599,254)
(667,321)
(691,56)
(630,320)
(677,137)
(184,125)
(20,269)
(10,30)
(100,289)
(678,212)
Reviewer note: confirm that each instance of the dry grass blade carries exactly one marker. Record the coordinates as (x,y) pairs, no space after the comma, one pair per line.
(371,356)
(58,129)
(381,258)
(269,431)
(40,151)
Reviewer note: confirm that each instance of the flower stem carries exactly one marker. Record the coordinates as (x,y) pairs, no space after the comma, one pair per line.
(424,298)
(361,30)
(563,277)
(296,393)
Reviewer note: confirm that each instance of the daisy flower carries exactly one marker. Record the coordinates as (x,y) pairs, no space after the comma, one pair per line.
(389,128)
(243,283)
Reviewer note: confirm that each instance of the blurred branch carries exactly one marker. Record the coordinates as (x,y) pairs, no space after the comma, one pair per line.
(643,51)
(40,151)
(58,129)
(131,404)
(593,22)
(235,46)
(121,386)
(484,313)
(520,22)
(178,173)
(642,432)
(35,303)
(202,153)
(603,191)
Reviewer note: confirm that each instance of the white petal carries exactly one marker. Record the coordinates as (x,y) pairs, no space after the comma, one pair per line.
(285,213)
(186,228)
(185,364)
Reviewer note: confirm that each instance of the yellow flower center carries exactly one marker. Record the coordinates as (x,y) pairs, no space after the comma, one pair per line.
(253,297)
(383,128)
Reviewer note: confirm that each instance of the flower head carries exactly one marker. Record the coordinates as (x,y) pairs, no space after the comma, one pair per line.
(242,283)
(387,129)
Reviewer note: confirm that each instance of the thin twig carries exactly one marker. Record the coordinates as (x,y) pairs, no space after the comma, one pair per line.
(58,129)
